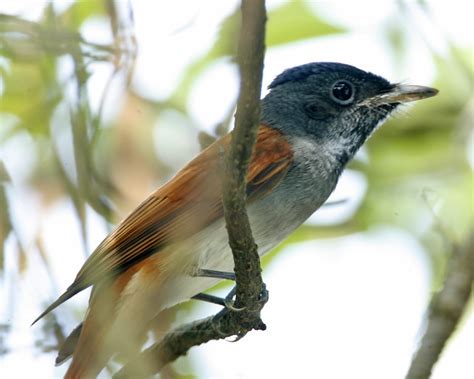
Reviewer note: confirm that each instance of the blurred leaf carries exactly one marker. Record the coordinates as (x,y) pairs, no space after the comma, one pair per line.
(4,175)
(455,77)
(395,33)
(82,162)
(291,22)
(226,42)
(22,258)
(25,40)
(30,95)
(415,152)
(295,21)
(80,11)
(5,223)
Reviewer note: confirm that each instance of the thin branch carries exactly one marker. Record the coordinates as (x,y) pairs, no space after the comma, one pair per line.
(446,309)
(250,58)
(250,287)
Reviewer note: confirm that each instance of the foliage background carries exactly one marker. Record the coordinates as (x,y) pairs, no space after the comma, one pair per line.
(102,101)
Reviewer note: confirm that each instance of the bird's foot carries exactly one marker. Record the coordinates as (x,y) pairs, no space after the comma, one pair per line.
(227,302)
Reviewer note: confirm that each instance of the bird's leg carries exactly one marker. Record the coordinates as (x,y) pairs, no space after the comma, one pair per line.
(210,299)
(225,302)
(215,274)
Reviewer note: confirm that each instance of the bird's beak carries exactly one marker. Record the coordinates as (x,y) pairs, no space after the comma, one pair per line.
(402,93)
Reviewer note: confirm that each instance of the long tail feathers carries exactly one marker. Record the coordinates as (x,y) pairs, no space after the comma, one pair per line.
(61,299)
(88,342)
(69,345)
(102,334)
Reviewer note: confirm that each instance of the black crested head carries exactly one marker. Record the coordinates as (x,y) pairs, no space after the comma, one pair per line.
(335,104)
(298,73)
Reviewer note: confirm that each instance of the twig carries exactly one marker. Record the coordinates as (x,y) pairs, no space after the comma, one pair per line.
(446,309)
(249,283)
(250,58)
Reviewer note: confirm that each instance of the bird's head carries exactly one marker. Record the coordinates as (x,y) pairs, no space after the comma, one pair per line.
(336,104)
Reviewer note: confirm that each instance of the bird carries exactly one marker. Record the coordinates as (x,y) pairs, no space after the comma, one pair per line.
(174,245)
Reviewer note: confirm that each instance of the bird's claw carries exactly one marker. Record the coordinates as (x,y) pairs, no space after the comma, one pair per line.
(229,301)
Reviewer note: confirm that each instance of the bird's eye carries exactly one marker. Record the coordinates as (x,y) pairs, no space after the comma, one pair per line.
(342,92)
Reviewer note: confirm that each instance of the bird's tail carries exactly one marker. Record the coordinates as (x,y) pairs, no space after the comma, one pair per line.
(105,330)
(91,353)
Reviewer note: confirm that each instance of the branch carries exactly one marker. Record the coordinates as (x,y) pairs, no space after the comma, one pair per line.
(249,285)
(446,310)
(244,250)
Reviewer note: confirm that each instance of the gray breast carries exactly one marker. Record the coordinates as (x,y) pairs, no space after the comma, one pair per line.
(309,182)
(307,185)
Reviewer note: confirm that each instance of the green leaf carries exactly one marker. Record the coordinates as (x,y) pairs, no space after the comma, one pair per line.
(291,22)
(28,95)
(295,21)
(80,11)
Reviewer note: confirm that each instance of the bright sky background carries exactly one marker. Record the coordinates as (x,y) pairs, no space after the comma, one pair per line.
(346,308)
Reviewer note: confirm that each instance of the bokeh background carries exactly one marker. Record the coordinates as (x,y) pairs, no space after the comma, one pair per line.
(103,101)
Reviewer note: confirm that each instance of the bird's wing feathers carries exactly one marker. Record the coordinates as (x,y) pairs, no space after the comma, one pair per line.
(190,201)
